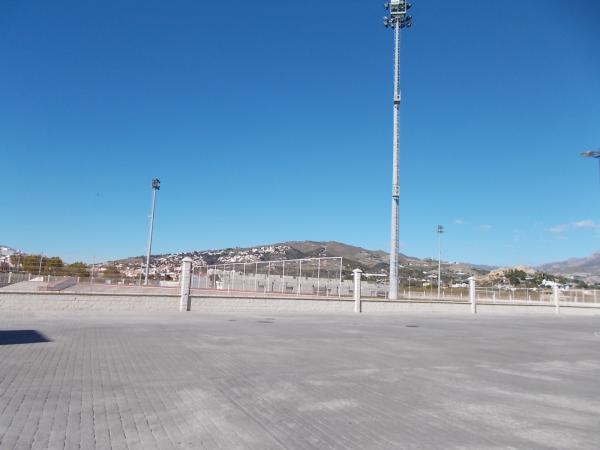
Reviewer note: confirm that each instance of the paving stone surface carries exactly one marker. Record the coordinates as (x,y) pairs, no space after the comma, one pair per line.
(244,381)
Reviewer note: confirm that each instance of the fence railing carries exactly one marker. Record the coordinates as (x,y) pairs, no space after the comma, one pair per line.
(310,276)
(323,277)
(7,278)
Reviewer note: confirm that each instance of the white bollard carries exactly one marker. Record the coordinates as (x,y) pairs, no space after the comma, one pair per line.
(556,296)
(185,303)
(9,277)
(472,295)
(357,290)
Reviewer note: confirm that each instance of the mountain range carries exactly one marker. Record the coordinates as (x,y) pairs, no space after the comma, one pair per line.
(587,268)
(373,261)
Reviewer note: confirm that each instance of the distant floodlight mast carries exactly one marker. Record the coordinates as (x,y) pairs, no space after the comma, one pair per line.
(592,154)
(440,231)
(397,19)
(155,187)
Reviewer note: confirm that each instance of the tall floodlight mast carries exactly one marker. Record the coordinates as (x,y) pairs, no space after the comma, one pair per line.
(397,19)
(155,187)
(440,231)
(592,154)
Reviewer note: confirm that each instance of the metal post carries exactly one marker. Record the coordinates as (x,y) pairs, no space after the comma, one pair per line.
(93,267)
(300,278)
(319,277)
(185,303)
(556,296)
(40,267)
(472,295)
(267,284)
(155,187)
(283,278)
(440,231)
(244,278)
(357,290)
(256,277)
(340,281)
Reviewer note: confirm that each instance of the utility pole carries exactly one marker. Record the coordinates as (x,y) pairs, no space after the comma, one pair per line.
(440,231)
(155,187)
(397,19)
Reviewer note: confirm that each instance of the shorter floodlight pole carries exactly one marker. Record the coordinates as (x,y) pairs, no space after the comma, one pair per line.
(440,231)
(155,187)
(592,154)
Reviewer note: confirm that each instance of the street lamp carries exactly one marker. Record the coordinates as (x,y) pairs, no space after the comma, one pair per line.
(440,231)
(155,187)
(397,19)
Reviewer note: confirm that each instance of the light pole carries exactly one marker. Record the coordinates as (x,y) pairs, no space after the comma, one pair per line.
(397,19)
(155,187)
(592,154)
(440,231)
(40,266)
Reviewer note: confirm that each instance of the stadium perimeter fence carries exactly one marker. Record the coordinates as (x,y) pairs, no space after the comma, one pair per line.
(322,277)
(310,276)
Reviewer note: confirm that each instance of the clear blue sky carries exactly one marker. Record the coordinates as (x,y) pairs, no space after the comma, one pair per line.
(270,121)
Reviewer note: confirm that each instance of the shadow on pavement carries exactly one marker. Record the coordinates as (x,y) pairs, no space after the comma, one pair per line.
(15,337)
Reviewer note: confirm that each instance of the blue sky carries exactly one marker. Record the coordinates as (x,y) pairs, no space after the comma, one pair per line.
(271,121)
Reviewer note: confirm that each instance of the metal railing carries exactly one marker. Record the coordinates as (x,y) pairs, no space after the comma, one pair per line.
(310,276)
(7,278)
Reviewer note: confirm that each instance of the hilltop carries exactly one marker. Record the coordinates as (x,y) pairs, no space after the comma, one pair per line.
(375,262)
(587,268)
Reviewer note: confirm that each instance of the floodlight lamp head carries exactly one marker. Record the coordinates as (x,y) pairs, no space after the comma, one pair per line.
(591,154)
(440,229)
(398,8)
(398,16)
(156,184)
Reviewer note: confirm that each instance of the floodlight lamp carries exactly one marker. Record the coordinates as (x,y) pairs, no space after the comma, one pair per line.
(591,154)
(156,184)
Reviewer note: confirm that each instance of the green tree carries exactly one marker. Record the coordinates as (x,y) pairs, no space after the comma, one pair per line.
(53,265)
(111,272)
(78,269)
(31,263)
(515,277)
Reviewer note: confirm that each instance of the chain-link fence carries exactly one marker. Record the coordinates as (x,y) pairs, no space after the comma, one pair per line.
(311,276)
(7,278)
(323,277)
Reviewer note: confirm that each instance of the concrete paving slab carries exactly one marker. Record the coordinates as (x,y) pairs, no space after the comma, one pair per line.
(248,381)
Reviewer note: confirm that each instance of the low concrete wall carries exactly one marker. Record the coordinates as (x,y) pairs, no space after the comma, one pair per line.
(270,305)
(63,301)
(49,301)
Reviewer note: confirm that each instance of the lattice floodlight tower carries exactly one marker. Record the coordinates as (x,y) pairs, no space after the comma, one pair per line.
(397,20)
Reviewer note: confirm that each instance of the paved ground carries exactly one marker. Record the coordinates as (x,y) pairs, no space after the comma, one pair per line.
(244,381)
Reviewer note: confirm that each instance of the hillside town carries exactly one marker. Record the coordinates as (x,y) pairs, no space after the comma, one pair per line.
(413,272)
